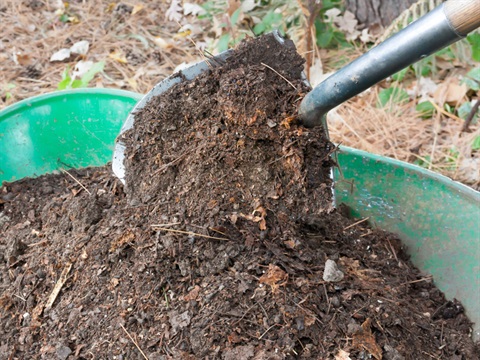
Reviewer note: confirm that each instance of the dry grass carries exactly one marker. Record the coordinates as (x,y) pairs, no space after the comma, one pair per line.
(396,131)
(30,32)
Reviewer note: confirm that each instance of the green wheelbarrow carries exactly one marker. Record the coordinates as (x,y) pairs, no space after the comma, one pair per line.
(437,219)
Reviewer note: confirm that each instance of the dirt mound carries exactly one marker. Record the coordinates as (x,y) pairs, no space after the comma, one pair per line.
(223,149)
(224,244)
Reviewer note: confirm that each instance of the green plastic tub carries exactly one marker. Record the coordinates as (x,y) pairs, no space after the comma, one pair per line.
(438,219)
(65,129)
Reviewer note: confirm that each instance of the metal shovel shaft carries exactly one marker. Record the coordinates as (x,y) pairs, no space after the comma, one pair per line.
(421,38)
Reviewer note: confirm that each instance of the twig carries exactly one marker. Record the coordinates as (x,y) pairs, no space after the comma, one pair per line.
(180,157)
(58,286)
(245,314)
(393,250)
(188,233)
(78,182)
(283,77)
(310,10)
(356,223)
(432,356)
(441,335)
(417,281)
(212,57)
(170,224)
(367,233)
(469,119)
(266,331)
(217,231)
(21,298)
(134,342)
(445,112)
(166,298)
(334,150)
(32,80)
(38,243)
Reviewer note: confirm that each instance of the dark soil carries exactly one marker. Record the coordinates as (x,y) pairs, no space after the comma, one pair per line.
(218,246)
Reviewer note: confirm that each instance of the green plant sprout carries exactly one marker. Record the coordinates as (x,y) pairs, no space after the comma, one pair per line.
(7,94)
(425,109)
(424,162)
(71,83)
(392,95)
(476,143)
(327,34)
(474,41)
(452,158)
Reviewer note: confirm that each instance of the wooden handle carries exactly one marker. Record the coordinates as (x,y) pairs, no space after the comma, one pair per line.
(463,15)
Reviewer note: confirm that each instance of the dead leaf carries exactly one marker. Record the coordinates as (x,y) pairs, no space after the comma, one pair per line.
(111,7)
(424,88)
(347,22)
(249,5)
(58,5)
(193,294)
(22,59)
(114,282)
(366,37)
(376,30)
(118,56)
(258,215)
(290,244)
(211,204)
(233,5)
(342,355)
(73,19)
(262,225)
(122,240)
(251,217)
(353,267)
(451,92)
(81,68)
(133,84)
(274,277)
(174,12)
(332,15)
(137,9)
(365,340)
(316,72)
(193,9)
(161,42)
(233,338)
(309,320)
(182,34)
(443,64)
(60,55)
(80,47)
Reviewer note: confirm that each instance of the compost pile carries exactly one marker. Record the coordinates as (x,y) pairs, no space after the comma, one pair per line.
(223,245)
